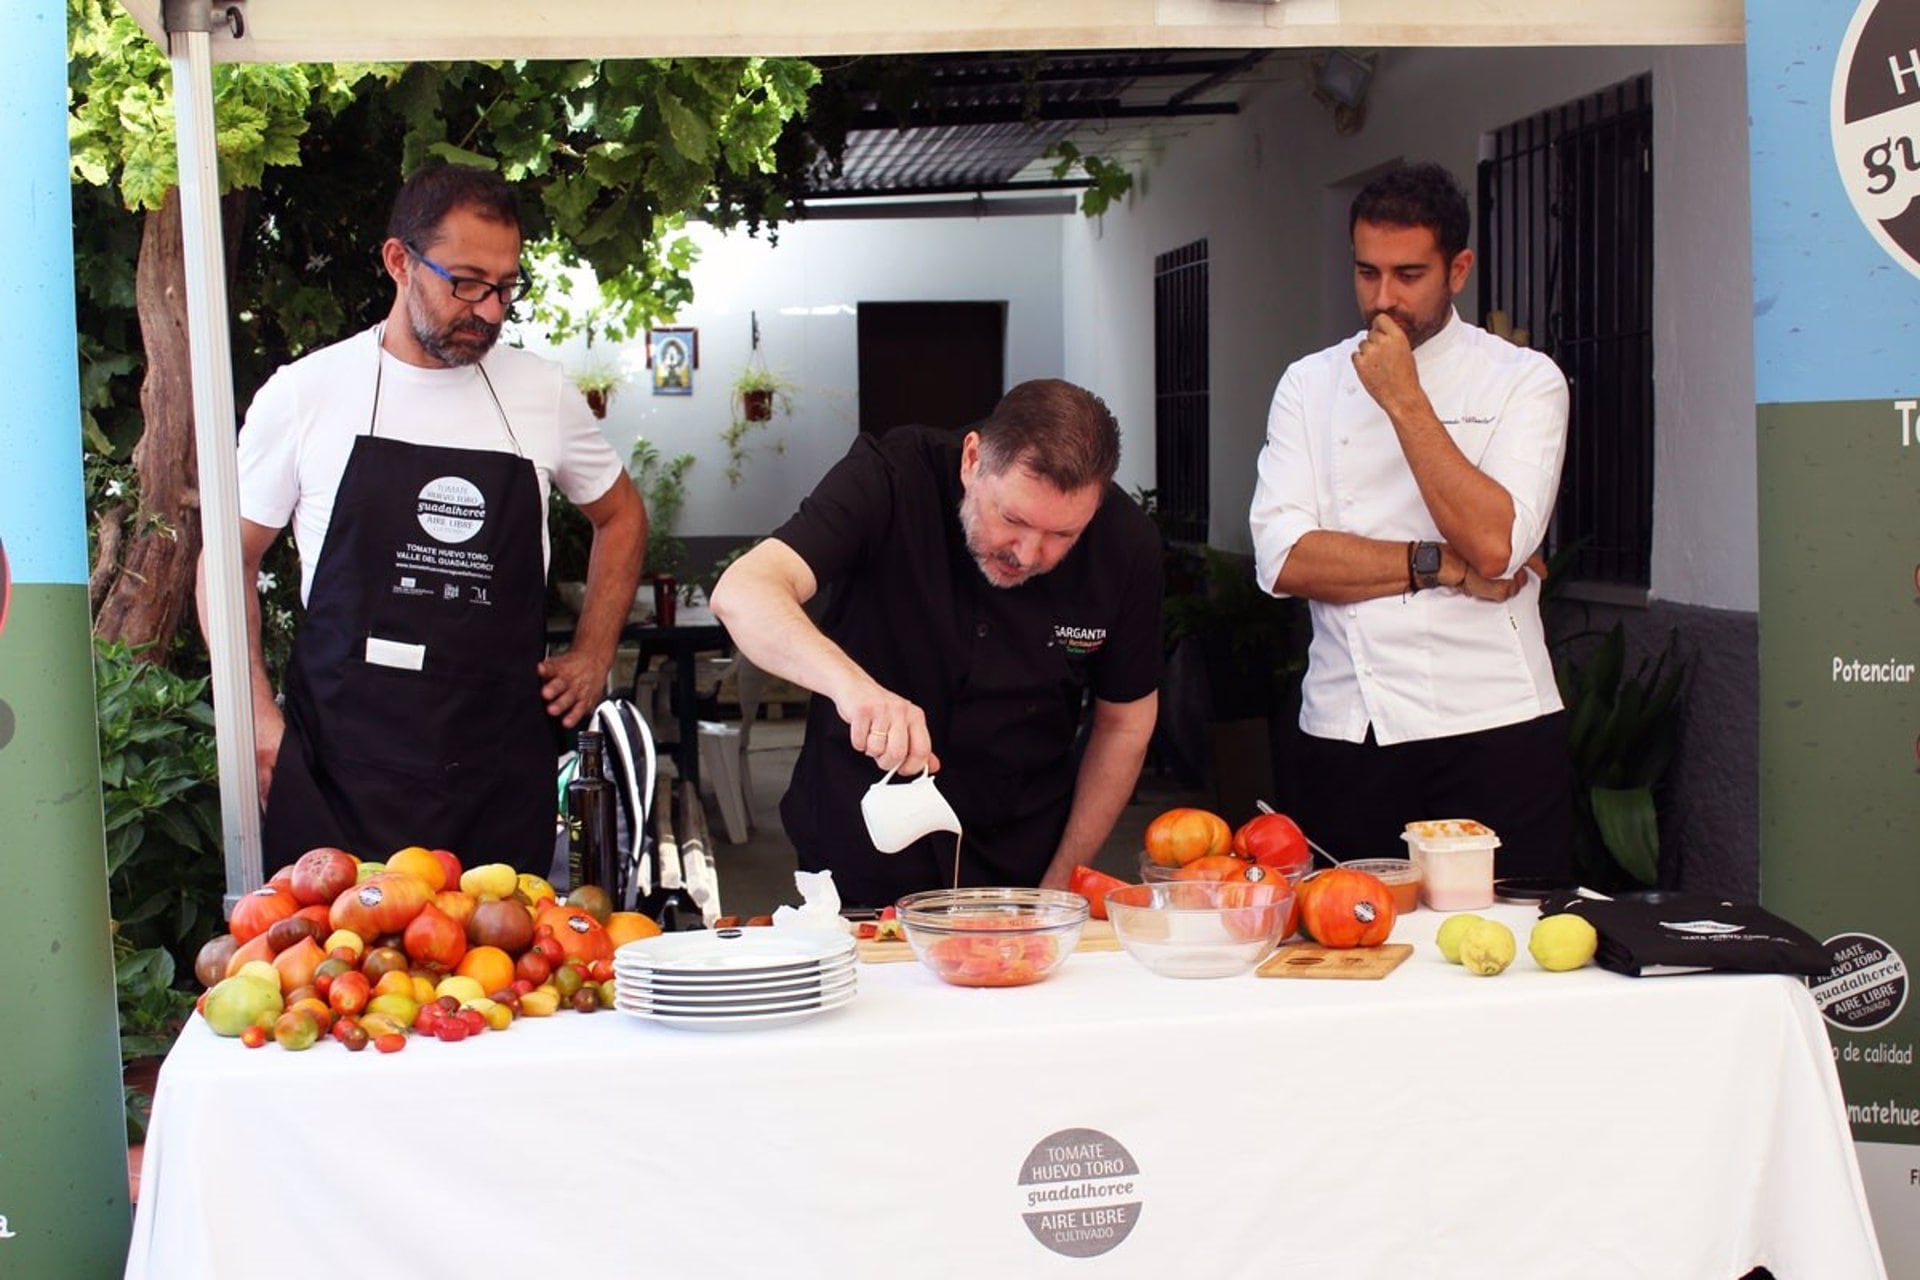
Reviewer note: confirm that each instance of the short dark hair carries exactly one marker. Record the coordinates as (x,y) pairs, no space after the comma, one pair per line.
(1056,431)
(431,194)
(1417,195)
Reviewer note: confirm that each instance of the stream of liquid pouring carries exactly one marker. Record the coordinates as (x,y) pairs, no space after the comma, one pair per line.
(956,859)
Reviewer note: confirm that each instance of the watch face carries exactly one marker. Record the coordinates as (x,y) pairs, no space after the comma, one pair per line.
(1426,558)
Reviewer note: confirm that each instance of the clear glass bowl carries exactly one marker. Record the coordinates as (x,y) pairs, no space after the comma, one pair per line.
(992,937)
(1200,928)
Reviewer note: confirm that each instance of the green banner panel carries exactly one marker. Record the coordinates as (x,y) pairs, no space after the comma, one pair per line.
(63,1179)
(1840,757)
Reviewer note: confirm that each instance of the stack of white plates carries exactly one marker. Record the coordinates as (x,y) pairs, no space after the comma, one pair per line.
(729,978)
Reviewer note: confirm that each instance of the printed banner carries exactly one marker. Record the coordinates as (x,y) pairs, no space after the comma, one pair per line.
(63,1172)
(1834,94)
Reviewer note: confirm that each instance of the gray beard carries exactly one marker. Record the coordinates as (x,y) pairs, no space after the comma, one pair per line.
(435,342)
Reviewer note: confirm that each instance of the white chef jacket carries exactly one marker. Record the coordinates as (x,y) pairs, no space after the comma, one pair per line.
(1437,662)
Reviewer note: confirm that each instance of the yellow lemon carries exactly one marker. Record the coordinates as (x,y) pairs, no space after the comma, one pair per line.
(1486,948)
(1448,939)
(1562,942)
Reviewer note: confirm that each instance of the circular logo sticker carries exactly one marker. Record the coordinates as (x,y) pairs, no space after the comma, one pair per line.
(451,509)
(1876,123)
(1079,1192)
(1867,985)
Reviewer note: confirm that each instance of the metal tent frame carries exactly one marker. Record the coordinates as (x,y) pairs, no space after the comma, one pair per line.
(199,33)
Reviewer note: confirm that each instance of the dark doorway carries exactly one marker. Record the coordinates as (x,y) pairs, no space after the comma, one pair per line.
(938,364)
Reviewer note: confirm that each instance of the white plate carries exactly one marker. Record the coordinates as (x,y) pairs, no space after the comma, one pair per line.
(732,950)
(742,1021)
(730,1000)
(654,980)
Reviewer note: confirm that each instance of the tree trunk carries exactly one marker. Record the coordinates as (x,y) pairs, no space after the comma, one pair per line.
(144,576)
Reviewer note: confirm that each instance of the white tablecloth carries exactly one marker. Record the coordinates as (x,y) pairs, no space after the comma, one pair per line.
(1433,1124)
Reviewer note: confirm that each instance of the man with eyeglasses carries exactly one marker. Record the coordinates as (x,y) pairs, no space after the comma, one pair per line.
(414,462)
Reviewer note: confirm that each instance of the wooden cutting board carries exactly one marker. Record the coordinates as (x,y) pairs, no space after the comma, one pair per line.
(1309,960)
(1097,936)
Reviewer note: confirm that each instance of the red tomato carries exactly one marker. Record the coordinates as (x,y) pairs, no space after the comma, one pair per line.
(1274,840)
(1094,886)
(392,1042)
(984,960)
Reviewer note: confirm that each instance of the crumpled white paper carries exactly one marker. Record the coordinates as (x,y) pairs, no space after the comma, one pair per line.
(819,907)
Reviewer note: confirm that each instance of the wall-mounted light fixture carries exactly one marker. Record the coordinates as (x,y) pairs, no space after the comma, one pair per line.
(1341,80)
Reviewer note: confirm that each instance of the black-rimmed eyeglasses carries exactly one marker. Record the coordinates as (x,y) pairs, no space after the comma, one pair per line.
(473,289)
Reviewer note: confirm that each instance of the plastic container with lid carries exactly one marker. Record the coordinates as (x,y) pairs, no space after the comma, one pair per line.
(1455,857)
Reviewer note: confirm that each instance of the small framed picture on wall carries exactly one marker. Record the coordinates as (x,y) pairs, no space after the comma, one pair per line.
(673,355)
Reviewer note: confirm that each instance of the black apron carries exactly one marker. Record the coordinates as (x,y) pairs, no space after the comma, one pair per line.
(413,708)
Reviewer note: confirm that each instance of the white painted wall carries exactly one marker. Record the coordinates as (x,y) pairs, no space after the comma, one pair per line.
(1267,192)
(805,290)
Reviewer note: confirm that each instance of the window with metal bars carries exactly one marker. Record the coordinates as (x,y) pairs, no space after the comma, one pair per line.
(1180,390)
(1566,258)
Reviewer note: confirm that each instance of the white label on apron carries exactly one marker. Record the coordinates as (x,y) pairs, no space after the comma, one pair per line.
(394,653)
(451,509)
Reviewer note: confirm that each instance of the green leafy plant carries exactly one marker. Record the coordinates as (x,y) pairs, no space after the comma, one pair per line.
(160,787)
(597,382)
(1622,730)
(1106,181)
(152,1011)
(165,875)
(663,483)
(758,394)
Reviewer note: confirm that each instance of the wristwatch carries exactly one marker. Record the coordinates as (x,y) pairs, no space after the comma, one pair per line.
(1423,565)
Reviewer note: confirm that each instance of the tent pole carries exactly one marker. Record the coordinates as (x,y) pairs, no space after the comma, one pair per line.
(189,49)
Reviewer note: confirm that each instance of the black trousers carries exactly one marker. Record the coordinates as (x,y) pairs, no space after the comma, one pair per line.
(1355,798)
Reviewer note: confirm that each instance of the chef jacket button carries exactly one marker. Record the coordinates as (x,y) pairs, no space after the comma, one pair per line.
(981,631)
(1352,612)
(1343,439)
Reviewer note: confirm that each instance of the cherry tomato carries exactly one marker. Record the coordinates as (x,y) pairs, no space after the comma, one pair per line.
(392,1042)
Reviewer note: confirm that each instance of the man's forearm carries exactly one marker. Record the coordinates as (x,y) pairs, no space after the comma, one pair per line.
(1116,748)
(1473,512)
(1343,568)
(613,574)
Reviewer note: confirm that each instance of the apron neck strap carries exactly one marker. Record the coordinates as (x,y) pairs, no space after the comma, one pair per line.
(379,369)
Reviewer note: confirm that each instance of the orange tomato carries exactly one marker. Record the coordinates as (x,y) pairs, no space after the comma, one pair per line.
(1214,866)
(1345,908)
(421,865)
(1179,836)
(629,926)
(491,967)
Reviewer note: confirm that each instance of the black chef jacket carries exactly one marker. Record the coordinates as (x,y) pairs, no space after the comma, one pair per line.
(1001,673)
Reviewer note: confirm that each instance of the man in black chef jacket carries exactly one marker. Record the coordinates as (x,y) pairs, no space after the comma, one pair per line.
(982,587)
(413,461)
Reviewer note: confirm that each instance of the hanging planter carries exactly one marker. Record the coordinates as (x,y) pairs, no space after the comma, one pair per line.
(758,394)
(597,386)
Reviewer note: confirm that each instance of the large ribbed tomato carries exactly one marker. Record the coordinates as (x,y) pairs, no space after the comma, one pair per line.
(1273,840)
(1178,836)
(1343,908)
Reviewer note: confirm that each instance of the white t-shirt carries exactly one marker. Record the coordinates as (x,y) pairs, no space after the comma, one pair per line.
(301,426)
(1436,662)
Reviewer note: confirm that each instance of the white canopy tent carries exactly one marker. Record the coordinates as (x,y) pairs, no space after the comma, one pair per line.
(198,33)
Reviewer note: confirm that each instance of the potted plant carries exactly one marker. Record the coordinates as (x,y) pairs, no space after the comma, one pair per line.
(597,385)
(663,483)
(758,393)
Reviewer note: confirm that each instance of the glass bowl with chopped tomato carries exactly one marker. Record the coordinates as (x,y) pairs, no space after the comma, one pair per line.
(1201,928)
(992,937)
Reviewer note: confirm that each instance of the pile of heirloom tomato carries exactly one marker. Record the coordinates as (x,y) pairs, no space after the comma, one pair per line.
(1338,907)
(372,953)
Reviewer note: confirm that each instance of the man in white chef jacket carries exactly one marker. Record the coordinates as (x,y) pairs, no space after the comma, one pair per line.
(1404,489)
